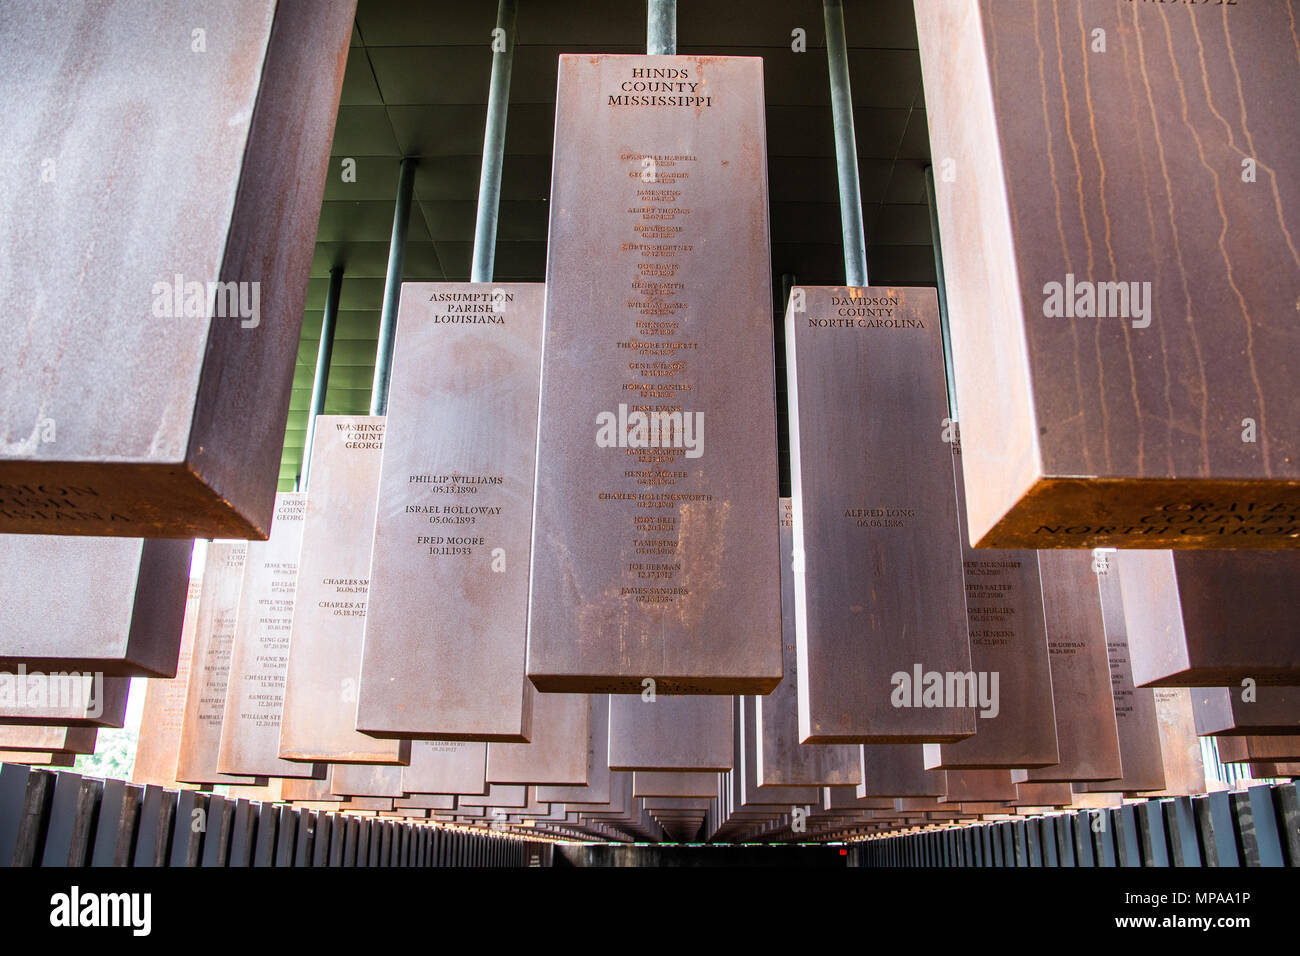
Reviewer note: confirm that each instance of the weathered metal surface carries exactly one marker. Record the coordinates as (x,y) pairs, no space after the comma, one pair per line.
(1181,633)
(158,746)
(267,789)
(498,795)
(675,784)
(1136,719)
(1264,771)
(878,573)
(1086,800)
(194,452)
(366,780)
(1180,748)
(297,790)
(654,554)
(978,785)
(39,758)
(558,751)
(598,788)
(1277,748)
(110,605)
(1043,795)
(446,766)
(744,777)
(454,519)
(259,651)
(366,804)
(781,759)
(1124,347)
(318,717)
(1086,732)
(898,770)
(426,801)
(670,733)
(50,738)
(846,798)
(205,694)
(1246,709)
(1008,638)
(75,698)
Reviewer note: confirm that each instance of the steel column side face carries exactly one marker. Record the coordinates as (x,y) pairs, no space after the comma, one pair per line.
(654,554)
(879,595)
(747,793)
(1265,771)
(259,651)
(1008,638)
(49,739)
(109,605)
(781,759)
(598,788)
(454,518)
(1180,748)
(369,806)
(499,795)
(78,699)
(1211,618)
(1246,709)
(964,786)
(1086,732)
(1136,718)
(93,441)
(1124,350)
(898,770)
(35,758)
(205,695)
(677,783)
(163,718)
(298,790)
(366,780)
(1272,749)
(426,801)
(671,732)
(846,798)
(559,748)
(445,766)
(318,720)
(1043,795)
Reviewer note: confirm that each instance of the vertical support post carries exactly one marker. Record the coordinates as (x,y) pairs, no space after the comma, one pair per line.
(494,142)
(324,353)
(944,326)
(392,288)
(846,146)
(661,27)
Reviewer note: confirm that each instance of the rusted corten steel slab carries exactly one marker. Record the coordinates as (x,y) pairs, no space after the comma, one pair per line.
(1086,733)
(1008,637)
(781,759)
(318,718)
(1211,618)
(1122,267)
(654,554)
(138,397)
(878,563)
(109,605)
(447,625)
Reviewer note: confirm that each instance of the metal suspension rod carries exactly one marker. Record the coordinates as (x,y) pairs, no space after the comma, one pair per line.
(494,143)
(661,27)
(320,383)
(392,289)
(944,326)
(846,148)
